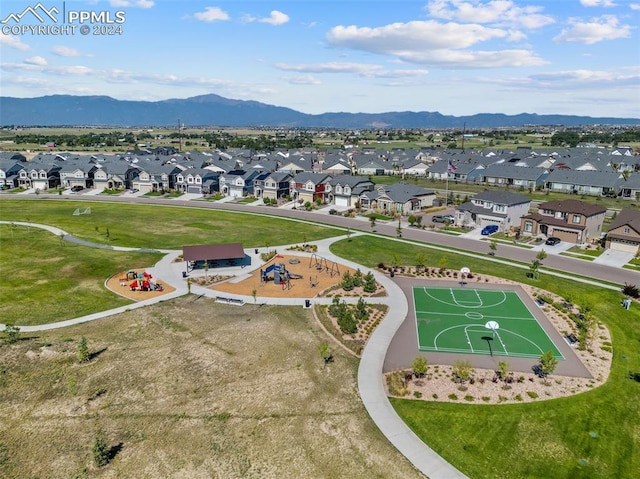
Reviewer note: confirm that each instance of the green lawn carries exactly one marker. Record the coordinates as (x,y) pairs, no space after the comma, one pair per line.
(536,440)
(165,227)
(46,280)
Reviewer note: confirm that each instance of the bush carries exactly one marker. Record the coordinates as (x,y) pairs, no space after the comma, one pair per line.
(462,370)
(417,394)
(419,366)
(453,397)
(396,384)
(631,290)
(532,394)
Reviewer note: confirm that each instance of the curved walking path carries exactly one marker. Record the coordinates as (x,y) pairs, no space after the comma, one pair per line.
(370,377)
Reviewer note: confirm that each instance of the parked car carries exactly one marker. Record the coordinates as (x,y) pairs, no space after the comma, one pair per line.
(77,188)
(489,230)
(443,218)
(552,240)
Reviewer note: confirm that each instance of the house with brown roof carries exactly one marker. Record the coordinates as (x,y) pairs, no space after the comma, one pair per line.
(573,221)
(624,232)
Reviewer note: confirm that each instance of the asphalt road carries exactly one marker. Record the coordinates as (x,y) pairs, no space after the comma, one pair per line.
(562,263)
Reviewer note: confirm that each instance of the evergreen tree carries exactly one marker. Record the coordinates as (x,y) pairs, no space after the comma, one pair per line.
(83,350)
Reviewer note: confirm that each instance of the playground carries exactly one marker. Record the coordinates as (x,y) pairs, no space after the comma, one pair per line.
(478,321)
(287,276)
(137,285)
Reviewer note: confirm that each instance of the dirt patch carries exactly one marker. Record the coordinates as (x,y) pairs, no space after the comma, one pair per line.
(313,282)
(119,284)
(190,388)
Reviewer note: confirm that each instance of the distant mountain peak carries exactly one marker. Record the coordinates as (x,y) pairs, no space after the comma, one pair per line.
(214,110)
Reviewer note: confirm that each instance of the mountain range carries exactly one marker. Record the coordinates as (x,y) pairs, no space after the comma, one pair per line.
(214,110)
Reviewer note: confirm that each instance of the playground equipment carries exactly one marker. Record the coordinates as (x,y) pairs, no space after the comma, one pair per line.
(280,274)
(323,264)
(141,282)
(82,211)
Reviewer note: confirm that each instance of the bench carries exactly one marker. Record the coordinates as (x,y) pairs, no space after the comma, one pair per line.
(223,299)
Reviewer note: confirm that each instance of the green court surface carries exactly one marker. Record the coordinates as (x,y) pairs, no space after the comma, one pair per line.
(478,321)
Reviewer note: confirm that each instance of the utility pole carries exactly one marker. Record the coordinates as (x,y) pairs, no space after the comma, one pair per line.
(464,131)
(179,135)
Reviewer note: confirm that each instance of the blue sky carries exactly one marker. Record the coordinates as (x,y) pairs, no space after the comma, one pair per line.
(458,57)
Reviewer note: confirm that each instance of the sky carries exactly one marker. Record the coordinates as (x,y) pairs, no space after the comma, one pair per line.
(457,57)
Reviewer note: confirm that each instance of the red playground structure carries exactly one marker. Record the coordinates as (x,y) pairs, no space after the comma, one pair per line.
(141,282)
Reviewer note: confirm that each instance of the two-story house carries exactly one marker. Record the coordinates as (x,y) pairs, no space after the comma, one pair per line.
(573,221)
(310,187)
(624,232)
(346,189)
(501,208)
(272,185)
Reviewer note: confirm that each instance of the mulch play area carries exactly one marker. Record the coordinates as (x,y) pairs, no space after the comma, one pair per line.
(315,279)
(121,284)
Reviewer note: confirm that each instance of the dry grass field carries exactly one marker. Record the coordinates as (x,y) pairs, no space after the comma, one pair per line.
(189,389)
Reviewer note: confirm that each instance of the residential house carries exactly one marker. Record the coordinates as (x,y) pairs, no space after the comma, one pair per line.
(628,187)
(624,232)
(310,187)
(272,185)
(502,208)
(346,189)
(598,183)
(573,221)
(238,183)
(9,172)
(516,176)
(197,181)
(401,197)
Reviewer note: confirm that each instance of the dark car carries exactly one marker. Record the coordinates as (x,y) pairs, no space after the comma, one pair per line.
(77,188)
(443,218)
(552,241)
(489,230)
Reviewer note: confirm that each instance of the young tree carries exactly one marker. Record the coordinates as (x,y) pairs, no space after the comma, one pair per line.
(493,246)
(369,283)
(419,366)
(362,313)
(346,322)
(11,333)
(357,278)
(325,353)
(421,260)
(547,364)
(372,220)
(412,220)
(541,256)
(83,350)
(533,269)
(347,281)
(100,450)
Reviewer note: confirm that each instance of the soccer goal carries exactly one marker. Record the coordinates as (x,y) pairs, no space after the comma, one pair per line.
(82,211)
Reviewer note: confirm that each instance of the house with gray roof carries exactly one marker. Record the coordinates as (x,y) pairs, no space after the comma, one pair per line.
(624,232)
(346,189)
(502,208)
(629,188)
(274,185)
(402,198)
(595,183)
(570,220)
(309,186)
(517,176)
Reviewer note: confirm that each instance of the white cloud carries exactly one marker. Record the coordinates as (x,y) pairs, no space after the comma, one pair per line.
(37,60)
(360,69)
(597,30)
(597,3)
(132,3)
(275,18)
(496,12)
(433,43)
(11,41)
(303,80)
(634,6)
(62,51)
(212,14)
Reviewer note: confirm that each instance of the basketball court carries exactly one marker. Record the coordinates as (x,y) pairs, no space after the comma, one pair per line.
(478,321)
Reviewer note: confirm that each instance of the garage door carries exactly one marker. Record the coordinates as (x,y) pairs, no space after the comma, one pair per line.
(568,236)
(341,201)
(621,245)
(195,189)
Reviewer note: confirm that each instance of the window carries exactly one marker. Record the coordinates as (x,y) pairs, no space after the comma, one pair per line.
(528,226)
(499,208)
(576,218)
(627,230)
(43,175)
(198,179)
(189,179)
(347,190)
